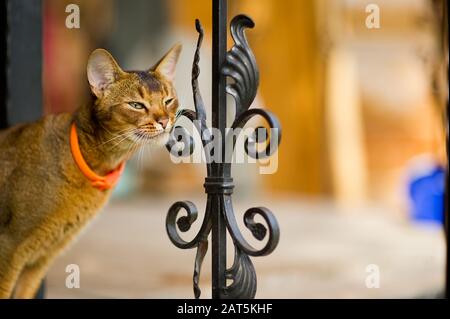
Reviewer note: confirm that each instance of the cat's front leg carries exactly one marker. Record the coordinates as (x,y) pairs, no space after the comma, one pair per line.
(10,270)
(30,279)
(8,279)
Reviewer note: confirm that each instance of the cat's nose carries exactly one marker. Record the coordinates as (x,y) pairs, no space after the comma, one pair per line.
(163,122)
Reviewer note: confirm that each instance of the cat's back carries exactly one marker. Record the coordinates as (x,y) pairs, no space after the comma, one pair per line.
(31,142)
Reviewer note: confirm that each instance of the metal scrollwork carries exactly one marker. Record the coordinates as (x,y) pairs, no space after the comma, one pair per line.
(240,67)
(243,276)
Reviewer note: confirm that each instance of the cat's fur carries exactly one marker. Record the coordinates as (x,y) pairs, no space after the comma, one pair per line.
(45,199)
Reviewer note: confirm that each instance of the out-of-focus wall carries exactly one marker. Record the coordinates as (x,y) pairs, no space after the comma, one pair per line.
(391,116)
(66,50)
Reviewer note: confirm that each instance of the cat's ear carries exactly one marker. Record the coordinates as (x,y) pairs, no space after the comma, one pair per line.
(102,71)
(166,66)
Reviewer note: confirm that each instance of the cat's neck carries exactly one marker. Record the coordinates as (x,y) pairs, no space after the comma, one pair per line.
(97,144)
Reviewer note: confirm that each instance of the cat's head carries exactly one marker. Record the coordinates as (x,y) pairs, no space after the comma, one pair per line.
(140,105)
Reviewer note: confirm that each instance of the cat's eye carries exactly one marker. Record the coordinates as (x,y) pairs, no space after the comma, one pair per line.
(168,101)
(137,105)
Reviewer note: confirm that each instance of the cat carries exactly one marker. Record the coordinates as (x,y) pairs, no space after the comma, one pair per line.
(46,197)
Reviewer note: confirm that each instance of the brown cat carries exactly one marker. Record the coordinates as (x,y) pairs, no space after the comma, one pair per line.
(45,198)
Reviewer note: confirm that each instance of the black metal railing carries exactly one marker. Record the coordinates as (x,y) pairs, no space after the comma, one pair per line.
(237,67)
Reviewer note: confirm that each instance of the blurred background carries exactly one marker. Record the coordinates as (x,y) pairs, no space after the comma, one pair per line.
(360,177)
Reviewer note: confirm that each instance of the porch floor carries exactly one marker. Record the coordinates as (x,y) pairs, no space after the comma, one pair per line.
(323,253)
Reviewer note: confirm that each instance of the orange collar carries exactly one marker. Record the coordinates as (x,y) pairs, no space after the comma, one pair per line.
(101,182)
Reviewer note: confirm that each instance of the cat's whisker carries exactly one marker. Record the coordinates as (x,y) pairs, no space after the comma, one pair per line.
(118,143)
(131,149)
(143,155)
(140,161)
(147,152)
(122,137)
(120,134)
(125,137)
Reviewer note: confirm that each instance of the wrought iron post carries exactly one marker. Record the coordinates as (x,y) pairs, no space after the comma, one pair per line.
(239,65)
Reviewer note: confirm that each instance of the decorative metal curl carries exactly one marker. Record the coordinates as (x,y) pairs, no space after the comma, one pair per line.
(272,135)
(243,275)
(197,117)
(240,66)
(184,223)
(258,230)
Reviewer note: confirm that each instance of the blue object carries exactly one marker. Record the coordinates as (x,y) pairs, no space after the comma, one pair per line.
(427,196)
